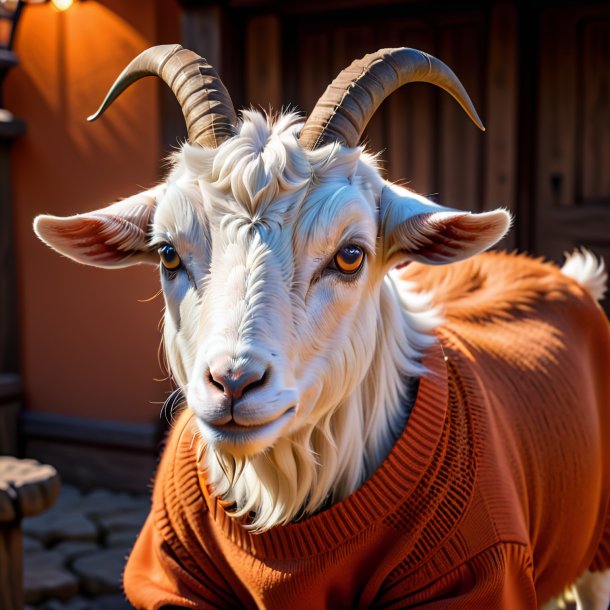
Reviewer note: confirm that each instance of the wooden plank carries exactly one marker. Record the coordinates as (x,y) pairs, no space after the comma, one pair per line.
(208,31)
(314,72)
(500,141)
(172,125)
(594,76)
(410,117)
(9,417)
(527,125)
(557,111)
(460,142)
(11,567)
(572,185)
(201,28)
(350,43)
(9,339)
(264,62)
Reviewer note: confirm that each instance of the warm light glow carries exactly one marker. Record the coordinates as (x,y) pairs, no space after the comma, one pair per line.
(62,5)
(9,5)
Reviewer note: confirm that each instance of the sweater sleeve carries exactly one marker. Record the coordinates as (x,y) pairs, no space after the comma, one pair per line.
(155,577)
(501,577)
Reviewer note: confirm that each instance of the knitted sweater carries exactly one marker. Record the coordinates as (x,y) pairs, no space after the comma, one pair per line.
(495,496)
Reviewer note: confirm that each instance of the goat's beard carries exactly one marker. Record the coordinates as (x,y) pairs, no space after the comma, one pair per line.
(302,472)
(319,464)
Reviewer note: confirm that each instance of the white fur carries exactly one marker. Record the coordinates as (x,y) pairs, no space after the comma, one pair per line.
(588,271)
(592,591)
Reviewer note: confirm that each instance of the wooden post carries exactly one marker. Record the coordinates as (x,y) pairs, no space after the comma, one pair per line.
(27,488)
(263,62)
(10,128)
(500,174)
(11,566)
(10,405)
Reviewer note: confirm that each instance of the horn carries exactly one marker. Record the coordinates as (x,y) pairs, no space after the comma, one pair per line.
(349,102)
(205,102)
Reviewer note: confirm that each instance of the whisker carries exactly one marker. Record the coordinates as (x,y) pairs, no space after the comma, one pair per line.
(172,403)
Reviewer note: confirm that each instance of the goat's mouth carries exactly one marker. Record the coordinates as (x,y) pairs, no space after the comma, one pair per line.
(247,438)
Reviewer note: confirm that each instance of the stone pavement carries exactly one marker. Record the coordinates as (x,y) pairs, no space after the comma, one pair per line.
(74,553)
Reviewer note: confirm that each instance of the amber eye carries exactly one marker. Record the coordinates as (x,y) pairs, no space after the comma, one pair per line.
(349,259)
(169,257)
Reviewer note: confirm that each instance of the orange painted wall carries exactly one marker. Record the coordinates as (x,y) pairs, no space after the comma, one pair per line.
(89,345)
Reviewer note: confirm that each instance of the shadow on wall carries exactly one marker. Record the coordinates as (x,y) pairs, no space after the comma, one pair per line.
(88,339)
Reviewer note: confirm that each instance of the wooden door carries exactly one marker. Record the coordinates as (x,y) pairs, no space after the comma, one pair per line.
(423,136)
(573,157)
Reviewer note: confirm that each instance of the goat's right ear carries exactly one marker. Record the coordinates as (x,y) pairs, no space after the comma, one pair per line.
(112,237)
(414,228)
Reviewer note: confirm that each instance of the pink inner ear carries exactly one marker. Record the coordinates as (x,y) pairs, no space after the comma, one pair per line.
(450,238)
(445,237)
(104,240)
(100,238)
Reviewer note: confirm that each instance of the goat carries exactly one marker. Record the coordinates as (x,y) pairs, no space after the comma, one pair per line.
(356,434)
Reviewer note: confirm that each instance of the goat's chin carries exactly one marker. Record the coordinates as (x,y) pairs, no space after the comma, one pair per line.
(244,441)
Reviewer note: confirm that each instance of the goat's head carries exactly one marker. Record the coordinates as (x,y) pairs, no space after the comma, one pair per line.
(274,240)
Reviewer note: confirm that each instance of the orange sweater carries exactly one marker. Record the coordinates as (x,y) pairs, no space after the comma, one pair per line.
(496,495)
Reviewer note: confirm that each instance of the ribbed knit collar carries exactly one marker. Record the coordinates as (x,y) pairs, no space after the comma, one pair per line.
(390,485)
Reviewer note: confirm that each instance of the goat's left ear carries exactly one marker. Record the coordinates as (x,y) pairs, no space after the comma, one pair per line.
(416,229)
(112,237)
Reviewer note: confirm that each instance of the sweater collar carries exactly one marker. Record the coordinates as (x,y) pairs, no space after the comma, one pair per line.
(391,484)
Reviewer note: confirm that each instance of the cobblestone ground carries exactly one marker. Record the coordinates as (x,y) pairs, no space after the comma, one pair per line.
(74,553)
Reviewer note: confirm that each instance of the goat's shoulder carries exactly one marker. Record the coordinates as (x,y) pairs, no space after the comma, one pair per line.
(497,285)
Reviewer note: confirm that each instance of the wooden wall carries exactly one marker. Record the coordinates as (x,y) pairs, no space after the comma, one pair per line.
(572,183)
(539,74)
(285,54)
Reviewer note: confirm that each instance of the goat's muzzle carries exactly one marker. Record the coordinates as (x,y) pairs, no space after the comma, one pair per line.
(240,404)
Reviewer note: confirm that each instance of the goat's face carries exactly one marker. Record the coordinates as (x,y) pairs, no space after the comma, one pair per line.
(270,269)
(274,245)
(272,259)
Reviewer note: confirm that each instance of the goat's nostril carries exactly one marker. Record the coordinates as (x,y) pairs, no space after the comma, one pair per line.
(234,384)
(257,383)
(215,383)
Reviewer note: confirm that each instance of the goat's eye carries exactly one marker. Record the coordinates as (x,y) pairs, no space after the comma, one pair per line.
(349,259)
(169,257)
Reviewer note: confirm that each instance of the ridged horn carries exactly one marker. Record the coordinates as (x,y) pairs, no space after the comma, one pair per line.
(349,102)
(205,102)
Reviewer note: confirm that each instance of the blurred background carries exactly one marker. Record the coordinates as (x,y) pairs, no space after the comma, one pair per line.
(80,377)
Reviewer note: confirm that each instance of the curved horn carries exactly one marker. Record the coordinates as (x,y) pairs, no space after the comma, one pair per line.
(205,102)
(349,102)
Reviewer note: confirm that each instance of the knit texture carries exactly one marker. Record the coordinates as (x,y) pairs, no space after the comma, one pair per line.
(496,495)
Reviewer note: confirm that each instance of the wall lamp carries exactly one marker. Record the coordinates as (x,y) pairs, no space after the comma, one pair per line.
(10,13)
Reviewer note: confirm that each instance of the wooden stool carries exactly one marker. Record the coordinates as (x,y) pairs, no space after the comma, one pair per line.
(27,488)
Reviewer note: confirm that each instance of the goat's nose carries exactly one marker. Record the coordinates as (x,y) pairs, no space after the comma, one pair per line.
(235,382)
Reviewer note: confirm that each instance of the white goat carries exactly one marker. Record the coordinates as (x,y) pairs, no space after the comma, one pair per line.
(297,353)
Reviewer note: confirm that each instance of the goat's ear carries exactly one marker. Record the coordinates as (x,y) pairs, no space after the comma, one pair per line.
(116,236)
(416,229)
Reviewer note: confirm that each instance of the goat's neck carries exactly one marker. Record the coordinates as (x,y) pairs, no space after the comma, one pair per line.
(325,463)
(383,400)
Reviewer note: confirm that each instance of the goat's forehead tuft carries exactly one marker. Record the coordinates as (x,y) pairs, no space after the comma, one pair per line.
(263,166)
